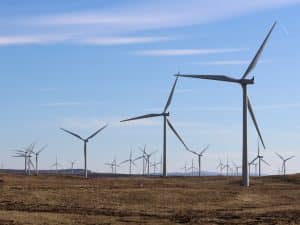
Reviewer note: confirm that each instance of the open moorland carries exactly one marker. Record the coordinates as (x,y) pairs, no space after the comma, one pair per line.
(50,199)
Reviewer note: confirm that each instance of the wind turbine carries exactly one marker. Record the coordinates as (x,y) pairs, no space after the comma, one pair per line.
(227,167)
(56,164)
(185,169)
(131,162)
(236,168)
(244,82)
(199,156)
(284,161)
(113,166)
(72,165)
(260,159)
(221,166)
(155,165)
(36,159)
(85,141)
(193,167)
(163,114)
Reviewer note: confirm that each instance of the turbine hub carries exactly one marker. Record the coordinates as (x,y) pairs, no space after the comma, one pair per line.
(247,81)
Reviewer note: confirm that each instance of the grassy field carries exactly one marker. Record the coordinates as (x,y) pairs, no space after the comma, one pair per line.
(174,200)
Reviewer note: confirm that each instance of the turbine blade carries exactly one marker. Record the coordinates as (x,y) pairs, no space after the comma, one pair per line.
(143,117)
(290,158)
(255,122)
(177,135)
(125,161)
(258,53)
(196,153)
(171,95)
(138,158)
(253,160)
(94,134)
(279,156)
(212,77)
(42,149)
(152,153)
(265,162)
(75,135)
(204,150)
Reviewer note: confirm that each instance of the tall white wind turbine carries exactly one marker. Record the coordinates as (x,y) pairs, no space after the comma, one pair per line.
(163,114)
(284,162)
(85,141)
(243,82)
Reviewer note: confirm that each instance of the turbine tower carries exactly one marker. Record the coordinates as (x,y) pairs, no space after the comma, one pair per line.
(130,161)
(56,164)
(236,168)
(85,141)
(155,166)
(163,114)
(221,166)
(243,82)
(36,159)
(260,159)
(199,155)
(284,162)
(72,165)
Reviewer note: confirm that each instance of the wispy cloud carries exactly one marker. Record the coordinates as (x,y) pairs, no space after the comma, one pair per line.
(67,104)
(123,40)
(224,62)
(186,52)
(97,26)
(31,39)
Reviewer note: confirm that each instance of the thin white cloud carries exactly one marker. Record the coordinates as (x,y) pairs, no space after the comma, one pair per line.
(123,40)
(224,62)
(96,25)
(66,104)
(186,52)
(31,39)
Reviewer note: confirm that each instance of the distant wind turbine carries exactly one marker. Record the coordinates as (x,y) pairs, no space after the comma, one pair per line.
(155,166)
(260,159)
(220,166)
(284,162)
(243,82)
(56,164)
(192,167)
(36,159)
(236,168)
(130,161)
(199,155)
(85,141)
(72,165)
(163,114)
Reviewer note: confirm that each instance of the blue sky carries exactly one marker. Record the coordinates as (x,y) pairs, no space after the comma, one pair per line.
(82,64)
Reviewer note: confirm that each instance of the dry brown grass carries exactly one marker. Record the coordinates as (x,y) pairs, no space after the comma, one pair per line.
(137,200)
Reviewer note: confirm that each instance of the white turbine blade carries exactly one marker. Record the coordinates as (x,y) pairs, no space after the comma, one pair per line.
(280,156)
(177,135)
(138,158)
(255,122)
(290,158)
(143,117)
(258,53)
(171,95)
(152,153)
(42,149)
(204,150)
(94,134)
(125,161)
(212,77)
(75,135)
(253,160)
(265,162)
